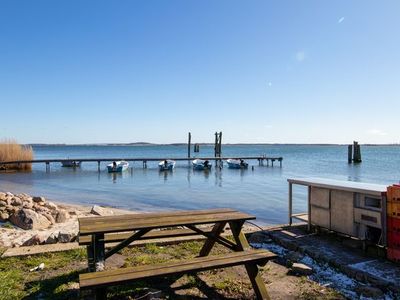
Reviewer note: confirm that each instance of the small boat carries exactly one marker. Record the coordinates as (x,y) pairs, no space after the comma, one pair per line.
(166,165)
(117,166)
(71,163)
(237,163)
(200,164)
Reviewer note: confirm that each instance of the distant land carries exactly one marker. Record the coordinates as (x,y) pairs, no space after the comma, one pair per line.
(204,144)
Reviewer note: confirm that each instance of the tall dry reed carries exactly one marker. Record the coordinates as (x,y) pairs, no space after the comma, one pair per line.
(10,150)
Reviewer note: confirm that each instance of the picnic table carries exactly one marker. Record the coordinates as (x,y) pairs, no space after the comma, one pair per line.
(123,230)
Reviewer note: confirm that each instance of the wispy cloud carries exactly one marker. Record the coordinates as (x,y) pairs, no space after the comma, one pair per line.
(340,20)
(269,83)
(300,56)
(376,132)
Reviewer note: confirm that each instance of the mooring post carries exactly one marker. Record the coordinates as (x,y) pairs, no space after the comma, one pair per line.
(280,162)
(189,142)
(349,153)
(357,152)
(47,166)
(98,166)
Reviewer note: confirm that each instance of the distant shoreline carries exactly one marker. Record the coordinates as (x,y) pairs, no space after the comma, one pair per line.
(139,144)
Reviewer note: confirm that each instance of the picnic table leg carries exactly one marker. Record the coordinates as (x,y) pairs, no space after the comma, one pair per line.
(98,251)
(209,243)
(252,269)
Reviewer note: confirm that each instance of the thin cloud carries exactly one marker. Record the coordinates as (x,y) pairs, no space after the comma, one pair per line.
(300,56)
(376,132)
(340,20)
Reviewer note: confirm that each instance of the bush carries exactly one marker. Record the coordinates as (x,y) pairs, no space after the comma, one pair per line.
(10,150)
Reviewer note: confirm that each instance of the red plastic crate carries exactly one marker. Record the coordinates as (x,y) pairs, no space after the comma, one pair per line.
(393,254)
(393,193)
(393,209)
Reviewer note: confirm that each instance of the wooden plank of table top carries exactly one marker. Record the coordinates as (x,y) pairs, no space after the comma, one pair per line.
(169,221)
(118,276)
(91,220)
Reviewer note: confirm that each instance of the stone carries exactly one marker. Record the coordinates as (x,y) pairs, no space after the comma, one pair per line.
(369,292)
(36,239)
(50,205)
(50,218)
(66,237)
(27,204)
(259,238)
(294,256)
(3,196)
(4,216)
(16,201)
(11,209)
(301,269)
(52,238)
(39,199)
(101,211)
(62,216)
(29,219)
(3,203)
(9,194)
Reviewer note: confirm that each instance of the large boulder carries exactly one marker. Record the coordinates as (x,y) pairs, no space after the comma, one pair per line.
(4,216)
(36,239)
(29,219)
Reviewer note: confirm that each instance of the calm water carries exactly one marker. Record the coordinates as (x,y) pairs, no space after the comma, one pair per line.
(262,191)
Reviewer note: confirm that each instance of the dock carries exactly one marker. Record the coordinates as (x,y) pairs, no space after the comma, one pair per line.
(262,159)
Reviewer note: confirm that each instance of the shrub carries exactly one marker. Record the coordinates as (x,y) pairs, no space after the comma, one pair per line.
(10,150)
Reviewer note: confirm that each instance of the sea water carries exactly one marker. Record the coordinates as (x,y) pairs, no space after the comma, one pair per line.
(259,190)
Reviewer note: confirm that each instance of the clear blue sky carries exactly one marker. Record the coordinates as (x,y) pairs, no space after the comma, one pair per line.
(259,71)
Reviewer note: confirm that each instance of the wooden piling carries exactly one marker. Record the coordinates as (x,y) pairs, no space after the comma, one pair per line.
(189,142)
(98,166)
(350,154)
(357,152)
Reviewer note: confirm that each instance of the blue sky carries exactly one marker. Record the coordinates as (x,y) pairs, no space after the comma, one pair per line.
(259,71)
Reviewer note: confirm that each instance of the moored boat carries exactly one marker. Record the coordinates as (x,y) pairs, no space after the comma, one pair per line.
(237,163)
(117,166)
(200,164)
(166,165)
(71,163)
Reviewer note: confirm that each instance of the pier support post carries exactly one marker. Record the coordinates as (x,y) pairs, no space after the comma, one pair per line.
(47,166)
(145,164)
(280,162)
(349,154)
(98,166)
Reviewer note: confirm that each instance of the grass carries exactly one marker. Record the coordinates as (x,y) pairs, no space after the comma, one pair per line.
(10,150)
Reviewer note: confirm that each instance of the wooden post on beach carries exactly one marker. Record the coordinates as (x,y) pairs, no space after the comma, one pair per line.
(189,141)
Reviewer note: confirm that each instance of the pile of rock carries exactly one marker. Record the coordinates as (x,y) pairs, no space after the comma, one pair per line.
(29,212)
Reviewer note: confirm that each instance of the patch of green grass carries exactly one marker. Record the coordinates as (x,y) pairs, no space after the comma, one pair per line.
(231,286)
(7,225)
(11,284)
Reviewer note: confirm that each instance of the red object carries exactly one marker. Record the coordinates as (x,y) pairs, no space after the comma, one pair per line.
(393,254)
(393,233)
(393,193)
(393,209)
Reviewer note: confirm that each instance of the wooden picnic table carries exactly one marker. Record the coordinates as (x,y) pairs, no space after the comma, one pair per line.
(125,229)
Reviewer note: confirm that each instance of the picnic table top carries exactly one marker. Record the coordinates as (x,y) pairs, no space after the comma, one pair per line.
(131,222)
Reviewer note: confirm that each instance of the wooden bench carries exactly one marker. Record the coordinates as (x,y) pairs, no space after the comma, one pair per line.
(98,281)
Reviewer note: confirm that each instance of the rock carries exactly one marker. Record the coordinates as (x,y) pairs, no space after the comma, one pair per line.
(37,239)
(369,292)
(62,216)
(259,237)
(39,199)
(3,196)
(11,209)
(65,237)
(4,216)
(52,238)
(29,219)
(9,194)
(3,203)
(50,205)
(16,201)
(301,269)
(50,218)
(28,204)
(101,211)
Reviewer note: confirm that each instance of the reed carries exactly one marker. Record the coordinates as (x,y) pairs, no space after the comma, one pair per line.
(10,150)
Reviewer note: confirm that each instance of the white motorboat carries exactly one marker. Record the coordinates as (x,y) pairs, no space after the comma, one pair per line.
(200,164)
(117,166)
(237,163)
(166,165)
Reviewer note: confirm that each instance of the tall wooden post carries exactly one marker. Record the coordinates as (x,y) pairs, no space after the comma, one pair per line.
(350,153)
(189,141)
(216,144)
(357,152)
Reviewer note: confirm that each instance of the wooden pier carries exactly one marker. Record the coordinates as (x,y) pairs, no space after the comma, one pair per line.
(261,160)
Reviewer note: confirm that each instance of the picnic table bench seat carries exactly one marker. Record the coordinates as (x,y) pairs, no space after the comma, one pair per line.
(98,281)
